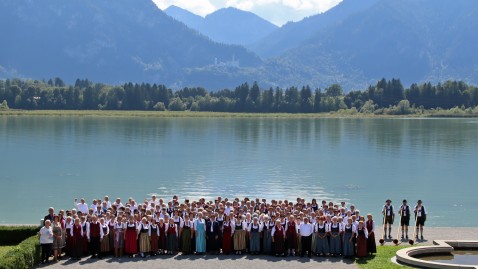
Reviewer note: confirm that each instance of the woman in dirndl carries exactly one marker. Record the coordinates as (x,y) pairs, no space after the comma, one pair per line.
(172,237)
(144,241)
(105,242)
(154,237)
(186,235)
(130,237)
(200,230)
(239,235)
(58,243)
(227,232)
(362,235)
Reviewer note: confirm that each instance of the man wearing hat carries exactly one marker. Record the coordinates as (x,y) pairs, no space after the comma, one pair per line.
(421,215)
(389,216)
(404,212)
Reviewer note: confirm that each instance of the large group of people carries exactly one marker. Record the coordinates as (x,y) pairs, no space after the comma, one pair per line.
(223,226)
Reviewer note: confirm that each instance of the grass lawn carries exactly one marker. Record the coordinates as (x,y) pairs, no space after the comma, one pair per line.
(381,259)
(4,249)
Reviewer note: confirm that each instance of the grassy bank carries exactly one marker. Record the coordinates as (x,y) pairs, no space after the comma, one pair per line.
(189,114)
(382,259)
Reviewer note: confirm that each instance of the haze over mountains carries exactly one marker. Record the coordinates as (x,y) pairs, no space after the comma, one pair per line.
(354,43)
(226,25)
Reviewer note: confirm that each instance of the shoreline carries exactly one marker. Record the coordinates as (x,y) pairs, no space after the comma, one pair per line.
(194,114)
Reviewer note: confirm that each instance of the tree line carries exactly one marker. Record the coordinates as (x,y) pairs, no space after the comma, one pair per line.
(387,96)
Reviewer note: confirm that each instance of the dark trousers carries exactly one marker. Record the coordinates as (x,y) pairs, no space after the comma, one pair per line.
(45,252)
(306,244)
(95,246)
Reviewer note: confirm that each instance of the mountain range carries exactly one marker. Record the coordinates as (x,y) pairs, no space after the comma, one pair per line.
(227,25)
(354,43)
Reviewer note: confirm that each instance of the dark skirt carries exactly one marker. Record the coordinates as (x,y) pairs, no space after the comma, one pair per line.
(335,245)
(131,246)
(227,240)
(321,244)
(348,245)
(186,240)
(76,247)
(171,242)
(371,244)
(279,246)
(361,246)
(154,242)
(291,240)
(267,242)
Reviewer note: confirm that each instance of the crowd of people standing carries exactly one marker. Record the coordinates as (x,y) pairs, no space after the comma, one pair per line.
(223,226)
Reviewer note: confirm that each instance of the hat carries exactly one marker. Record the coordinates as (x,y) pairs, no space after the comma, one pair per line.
(404,200)
(388,200)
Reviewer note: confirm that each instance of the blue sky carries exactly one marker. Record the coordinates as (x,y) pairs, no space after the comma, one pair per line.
(276,11)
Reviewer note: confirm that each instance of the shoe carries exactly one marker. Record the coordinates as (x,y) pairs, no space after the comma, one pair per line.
(389,237)
(402,236)
(422,237)
(406,236)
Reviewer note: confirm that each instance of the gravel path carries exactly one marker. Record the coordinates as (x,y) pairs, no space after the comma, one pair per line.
(240,262)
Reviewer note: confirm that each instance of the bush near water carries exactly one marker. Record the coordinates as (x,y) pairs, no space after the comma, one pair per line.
(24,256)
(12,235)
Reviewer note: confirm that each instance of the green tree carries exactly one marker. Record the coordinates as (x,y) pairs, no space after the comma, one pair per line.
(334,90)
(4,105)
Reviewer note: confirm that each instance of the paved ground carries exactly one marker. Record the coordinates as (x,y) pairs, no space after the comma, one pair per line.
(264,262)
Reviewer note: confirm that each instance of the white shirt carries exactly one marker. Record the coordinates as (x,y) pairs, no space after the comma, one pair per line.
(88,229)
(255,226)
(196,224)
(306,229)
(83,208)
(46,235)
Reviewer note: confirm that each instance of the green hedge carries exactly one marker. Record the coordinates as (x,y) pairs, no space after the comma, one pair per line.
(12,235)
(24,256)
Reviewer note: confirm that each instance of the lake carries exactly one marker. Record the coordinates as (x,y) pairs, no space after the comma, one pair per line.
(48,161)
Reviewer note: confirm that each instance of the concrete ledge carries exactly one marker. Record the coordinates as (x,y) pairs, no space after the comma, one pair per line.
(406,256)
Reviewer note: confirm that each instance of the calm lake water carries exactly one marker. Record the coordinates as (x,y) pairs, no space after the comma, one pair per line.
(48,161)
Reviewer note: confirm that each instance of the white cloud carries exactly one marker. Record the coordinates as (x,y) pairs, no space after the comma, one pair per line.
(276,11)
(199,7)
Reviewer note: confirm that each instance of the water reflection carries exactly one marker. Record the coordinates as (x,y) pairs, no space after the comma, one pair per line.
(361,160)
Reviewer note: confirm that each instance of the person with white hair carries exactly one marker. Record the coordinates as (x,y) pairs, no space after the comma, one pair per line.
(46,241)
